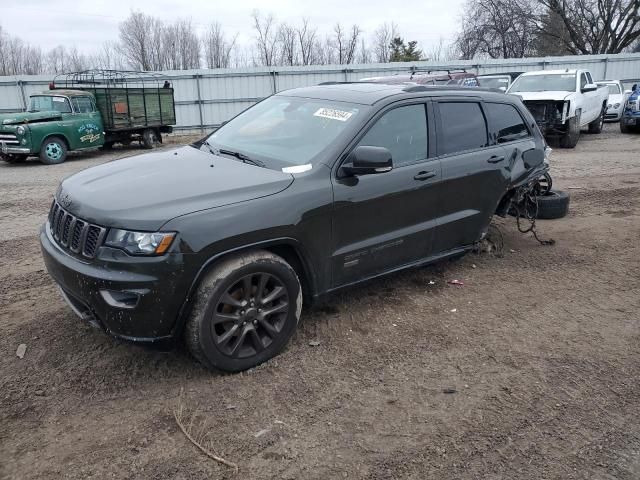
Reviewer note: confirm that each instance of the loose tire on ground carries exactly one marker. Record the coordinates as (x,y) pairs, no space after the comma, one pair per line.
(596,125)
(53,151)
(150,138)
(231,309)
(553,205)
(572,135)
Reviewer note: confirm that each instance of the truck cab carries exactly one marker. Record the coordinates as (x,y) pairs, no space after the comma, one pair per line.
(56,121)
(563,102)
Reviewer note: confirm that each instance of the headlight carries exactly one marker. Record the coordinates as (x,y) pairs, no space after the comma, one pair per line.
(20,130)
(616,105)
(140,243)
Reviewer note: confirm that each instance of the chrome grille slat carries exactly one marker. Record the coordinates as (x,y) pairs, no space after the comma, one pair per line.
(73,233)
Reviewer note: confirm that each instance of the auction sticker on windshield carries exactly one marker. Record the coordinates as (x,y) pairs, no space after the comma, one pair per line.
(333,114)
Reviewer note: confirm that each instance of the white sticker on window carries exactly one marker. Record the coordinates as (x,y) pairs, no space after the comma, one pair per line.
(333,114)
(58,99)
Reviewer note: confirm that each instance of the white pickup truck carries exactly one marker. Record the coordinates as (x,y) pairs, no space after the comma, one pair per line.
(562,102)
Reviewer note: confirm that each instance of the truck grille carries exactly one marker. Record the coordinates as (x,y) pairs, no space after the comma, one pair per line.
(8,138)
(74,234)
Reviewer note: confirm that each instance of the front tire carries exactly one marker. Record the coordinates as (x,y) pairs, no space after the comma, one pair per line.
(597,124)
(53,151)
(624,128)
(572,135)
(246,310)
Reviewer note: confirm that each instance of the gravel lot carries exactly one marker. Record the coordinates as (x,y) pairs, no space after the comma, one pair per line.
(542,354)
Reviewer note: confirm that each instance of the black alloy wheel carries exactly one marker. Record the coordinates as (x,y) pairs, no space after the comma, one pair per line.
(250,315)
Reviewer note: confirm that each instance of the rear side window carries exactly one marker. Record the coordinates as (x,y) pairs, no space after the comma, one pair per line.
(82,104)
(506,122)
(403,131)
(463,127)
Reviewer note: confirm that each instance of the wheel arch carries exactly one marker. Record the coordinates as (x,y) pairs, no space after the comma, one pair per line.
(61,136)
(289,249)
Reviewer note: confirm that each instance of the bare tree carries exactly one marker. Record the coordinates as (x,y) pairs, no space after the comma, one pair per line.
(266,38)
(382,38)
(364,54)
(592,26)
(497,28)
(136,39)
(217,48)
(181,46)
(306,41)
(344,44)
(288,44)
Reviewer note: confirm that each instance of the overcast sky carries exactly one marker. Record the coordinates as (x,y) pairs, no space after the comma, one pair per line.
(88,24)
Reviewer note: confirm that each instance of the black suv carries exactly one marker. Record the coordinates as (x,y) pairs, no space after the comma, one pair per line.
(308,191)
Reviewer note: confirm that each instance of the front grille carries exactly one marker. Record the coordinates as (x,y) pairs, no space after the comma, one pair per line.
(8,138)
(74,234)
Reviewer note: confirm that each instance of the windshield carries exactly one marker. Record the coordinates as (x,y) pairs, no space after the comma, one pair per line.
(553,82)
(48,103)
(286,131)
(614,88)
(494,82)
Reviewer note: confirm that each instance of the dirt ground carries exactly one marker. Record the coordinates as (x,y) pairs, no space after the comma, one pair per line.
(539,351)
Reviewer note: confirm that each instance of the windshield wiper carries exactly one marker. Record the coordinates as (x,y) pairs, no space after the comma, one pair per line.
(242,156)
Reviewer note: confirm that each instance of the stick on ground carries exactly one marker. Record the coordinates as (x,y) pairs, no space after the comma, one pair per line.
(200,447)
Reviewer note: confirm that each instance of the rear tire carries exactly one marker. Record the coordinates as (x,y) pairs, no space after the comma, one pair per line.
(596,125)
(553,205)
(53,151)
(107,146)
(150,139)
(572,135)
(245,311)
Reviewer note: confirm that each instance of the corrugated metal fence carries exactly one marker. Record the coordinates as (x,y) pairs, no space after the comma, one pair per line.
(206,98)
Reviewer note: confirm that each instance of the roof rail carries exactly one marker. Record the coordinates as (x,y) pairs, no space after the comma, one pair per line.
(416,88)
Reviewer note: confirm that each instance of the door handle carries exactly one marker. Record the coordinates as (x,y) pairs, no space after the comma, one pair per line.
(495,159)
(421,176)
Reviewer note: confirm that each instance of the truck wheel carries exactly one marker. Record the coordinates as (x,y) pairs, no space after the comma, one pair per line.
(596,125)
(13,158)
(150,138)
(554,204)
(572,135)
(53,151)
(246,310)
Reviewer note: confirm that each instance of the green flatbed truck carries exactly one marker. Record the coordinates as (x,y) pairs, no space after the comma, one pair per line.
(88,110)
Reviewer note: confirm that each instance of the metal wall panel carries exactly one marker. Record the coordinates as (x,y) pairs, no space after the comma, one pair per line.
(206,98)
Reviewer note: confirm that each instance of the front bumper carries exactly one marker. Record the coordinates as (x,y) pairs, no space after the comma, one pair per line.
(134,298)
(4,148)
(632,119)
(613,115)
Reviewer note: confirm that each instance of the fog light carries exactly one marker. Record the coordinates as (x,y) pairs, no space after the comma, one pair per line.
(121,299)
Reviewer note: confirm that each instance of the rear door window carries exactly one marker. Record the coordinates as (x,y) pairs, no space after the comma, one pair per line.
(506,123)
(462,127)
(403,131)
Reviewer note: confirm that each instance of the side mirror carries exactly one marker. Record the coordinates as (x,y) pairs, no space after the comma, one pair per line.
(589,87)
(504,89)
(366,160)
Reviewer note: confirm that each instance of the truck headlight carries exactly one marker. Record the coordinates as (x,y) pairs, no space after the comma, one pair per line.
(20,130)
(616,105)
(140,243)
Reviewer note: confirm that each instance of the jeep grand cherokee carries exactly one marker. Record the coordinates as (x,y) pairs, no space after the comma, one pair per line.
(311,190)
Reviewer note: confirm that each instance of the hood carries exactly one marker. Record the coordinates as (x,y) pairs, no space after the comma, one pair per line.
(28,117)
(146,191)
(617,98)
(551,95)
